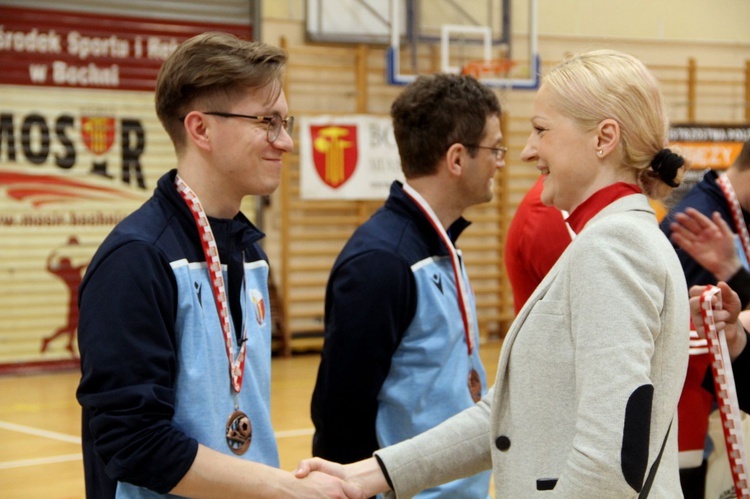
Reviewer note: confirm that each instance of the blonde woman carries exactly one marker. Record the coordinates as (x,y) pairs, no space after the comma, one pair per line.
(591,370)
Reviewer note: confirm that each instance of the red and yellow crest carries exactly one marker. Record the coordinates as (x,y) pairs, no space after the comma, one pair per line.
(260,306)
(98,133)
(335,152)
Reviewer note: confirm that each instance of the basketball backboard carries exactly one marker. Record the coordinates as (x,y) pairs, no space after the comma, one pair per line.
(495,40)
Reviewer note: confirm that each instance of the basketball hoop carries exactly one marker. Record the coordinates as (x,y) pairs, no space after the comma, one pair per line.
(482,69)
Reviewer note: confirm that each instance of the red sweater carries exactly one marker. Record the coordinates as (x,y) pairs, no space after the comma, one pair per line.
(537,236)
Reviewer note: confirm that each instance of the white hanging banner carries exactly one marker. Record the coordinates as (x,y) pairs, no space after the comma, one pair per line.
(350,157)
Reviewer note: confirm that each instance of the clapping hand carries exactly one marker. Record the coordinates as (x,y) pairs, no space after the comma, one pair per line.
(709,241)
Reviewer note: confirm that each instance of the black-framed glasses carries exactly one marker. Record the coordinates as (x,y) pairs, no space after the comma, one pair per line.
(497,152)
(274,122)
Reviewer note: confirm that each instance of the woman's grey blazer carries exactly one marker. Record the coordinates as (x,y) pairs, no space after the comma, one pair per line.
(588,380)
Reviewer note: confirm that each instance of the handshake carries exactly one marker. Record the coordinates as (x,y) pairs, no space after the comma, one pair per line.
(351,481)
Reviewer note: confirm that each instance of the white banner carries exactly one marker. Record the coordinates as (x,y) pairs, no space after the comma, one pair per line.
(347,157)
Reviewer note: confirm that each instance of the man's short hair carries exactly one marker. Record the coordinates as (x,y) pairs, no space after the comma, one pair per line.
(435,112)
(212,70)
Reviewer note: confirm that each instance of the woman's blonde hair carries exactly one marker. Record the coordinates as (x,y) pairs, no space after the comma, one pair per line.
(602,84)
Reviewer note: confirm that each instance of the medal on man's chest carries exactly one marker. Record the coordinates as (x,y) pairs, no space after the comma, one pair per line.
(462,287)
(475,386)
(239,432)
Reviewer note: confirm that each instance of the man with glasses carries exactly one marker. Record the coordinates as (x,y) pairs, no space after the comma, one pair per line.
(174,328)
(401,345)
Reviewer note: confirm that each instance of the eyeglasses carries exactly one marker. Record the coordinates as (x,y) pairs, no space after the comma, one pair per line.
(497,152)
(274,122)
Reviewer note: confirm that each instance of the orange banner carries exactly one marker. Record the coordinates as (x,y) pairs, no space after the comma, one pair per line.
(715,155)
(709,146)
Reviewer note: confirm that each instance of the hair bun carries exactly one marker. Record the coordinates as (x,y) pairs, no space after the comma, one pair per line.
(666,164)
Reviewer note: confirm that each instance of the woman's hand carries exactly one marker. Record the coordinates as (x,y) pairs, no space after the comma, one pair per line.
(726,316)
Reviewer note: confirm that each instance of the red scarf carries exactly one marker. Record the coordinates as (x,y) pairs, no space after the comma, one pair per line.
(597,201)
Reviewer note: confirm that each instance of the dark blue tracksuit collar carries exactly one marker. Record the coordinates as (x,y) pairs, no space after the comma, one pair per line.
(233,237)
(399,201)
(239,230)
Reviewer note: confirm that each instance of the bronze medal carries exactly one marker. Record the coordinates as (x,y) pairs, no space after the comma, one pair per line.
(239,432)
(475,386)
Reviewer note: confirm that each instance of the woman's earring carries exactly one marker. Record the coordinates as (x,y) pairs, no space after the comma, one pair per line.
(600,152)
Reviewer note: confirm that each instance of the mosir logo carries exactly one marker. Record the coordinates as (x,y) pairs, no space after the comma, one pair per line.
(98,133)
(37,140)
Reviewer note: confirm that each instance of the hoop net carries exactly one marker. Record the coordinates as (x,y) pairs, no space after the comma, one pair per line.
(483,69)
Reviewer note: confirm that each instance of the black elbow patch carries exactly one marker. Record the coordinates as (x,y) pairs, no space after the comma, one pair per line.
(636,435)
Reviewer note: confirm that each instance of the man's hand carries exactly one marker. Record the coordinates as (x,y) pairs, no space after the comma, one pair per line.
(214,474)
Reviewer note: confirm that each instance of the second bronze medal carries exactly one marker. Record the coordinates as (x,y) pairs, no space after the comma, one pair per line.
(475,386)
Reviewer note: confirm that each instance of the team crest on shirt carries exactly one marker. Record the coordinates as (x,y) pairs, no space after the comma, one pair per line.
(260,306)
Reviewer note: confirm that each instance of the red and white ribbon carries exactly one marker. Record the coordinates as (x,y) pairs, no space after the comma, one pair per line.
(461,286)
(213,264)
(726,393)
(736,209)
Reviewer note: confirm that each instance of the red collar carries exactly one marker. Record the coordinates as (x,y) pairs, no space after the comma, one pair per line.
(597,201)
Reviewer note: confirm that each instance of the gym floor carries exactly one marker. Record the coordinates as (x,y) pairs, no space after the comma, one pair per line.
(40,453)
